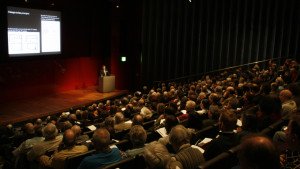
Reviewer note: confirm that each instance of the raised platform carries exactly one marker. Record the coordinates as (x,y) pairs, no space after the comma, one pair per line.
(22,110)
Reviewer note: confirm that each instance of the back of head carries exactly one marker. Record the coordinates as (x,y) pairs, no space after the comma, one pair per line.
(156,155)
(146,113)
(38,121)
(109,121)
(29,128)
(50,131)
(72,118)
(69,138)
(160,108)
(190,105)
(76,129)
(119,118)
(101,140)
(205,104)
(178,136)
(137,120)
(138,136)
(258,152)
(170,122)
(285,95)
(227,120)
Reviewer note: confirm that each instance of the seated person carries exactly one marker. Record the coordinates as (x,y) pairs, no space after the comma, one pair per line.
(226,138)
(26,145)
(138,137)
(104,153)
(188,155)
(291,156)
(80,138)
(156,155)
(50,144)
(120,124)
(137,120)
(67,148)
(258,152)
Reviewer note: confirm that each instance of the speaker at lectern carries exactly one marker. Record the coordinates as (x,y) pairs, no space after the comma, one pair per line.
(107,84)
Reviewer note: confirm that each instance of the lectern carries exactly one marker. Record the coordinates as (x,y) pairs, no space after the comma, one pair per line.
(107,83)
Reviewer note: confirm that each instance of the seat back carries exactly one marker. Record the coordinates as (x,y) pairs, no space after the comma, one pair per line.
(137,162)
(74,161)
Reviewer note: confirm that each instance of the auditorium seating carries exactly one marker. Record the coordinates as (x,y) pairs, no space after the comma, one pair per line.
(229,158)
(210,132)
(136,162)
(74,161)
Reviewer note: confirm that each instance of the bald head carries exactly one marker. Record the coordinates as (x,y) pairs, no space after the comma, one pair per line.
(76,129)
(29,128)
(137,120)
(258,152)
(69,138)
(101,139)
(39,121)
(285,95)
(72,118)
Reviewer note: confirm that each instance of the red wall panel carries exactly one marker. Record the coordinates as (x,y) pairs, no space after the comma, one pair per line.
(24,79)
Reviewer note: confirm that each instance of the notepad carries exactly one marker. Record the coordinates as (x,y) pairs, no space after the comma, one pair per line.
(128,122)
(92,127)
(204,141)
(162,131)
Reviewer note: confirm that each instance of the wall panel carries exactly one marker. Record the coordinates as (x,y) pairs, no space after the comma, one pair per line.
(182,37)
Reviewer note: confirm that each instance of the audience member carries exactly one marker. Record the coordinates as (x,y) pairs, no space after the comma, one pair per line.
(79,137)
(226,138)
(258,152)
(120,123)
(26,145)
(138,137)
(156,155)
(66,149)
(137,120)
(170,122)
(290,158)
(146,113)
(249,123)
(188,155)
(288,104)
(49,145)
(194,119)
(104,153)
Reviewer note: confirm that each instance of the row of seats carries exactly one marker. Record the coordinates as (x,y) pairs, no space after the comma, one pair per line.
(229,158)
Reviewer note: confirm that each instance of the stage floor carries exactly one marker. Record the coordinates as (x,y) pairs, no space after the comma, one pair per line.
(22,110)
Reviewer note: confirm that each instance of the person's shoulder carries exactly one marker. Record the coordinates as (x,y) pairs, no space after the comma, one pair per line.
(83,148)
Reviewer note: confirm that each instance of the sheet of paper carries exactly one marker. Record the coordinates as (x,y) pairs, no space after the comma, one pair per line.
(204,141)
(128,122)
(92,127)
(239,123)
(162,131)
(183,111)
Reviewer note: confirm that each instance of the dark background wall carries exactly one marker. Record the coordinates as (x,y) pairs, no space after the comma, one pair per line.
(181,38)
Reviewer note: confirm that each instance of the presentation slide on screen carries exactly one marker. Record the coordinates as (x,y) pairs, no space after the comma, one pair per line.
(33,32)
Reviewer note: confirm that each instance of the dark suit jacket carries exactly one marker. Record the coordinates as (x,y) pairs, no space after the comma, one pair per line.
(102,73)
